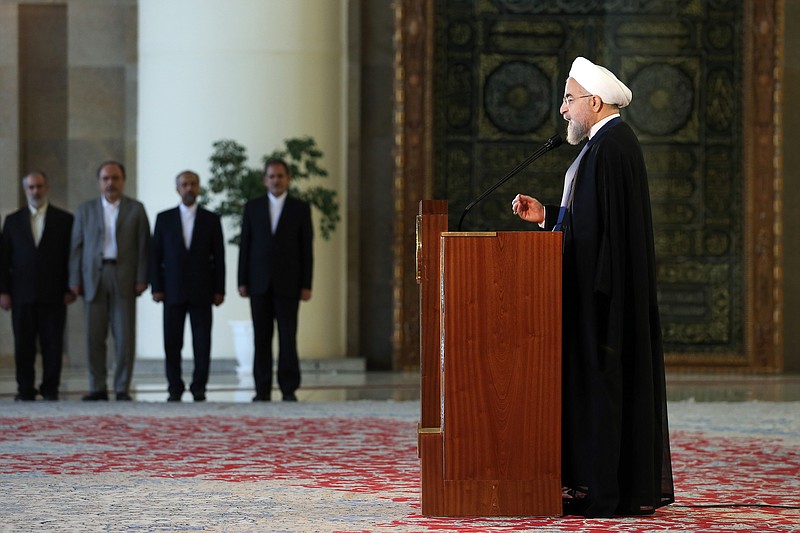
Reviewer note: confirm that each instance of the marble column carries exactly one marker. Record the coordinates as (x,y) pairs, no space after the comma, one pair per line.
(256,71)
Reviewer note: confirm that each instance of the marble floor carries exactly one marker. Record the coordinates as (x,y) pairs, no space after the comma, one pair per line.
(323,380)
(347,380)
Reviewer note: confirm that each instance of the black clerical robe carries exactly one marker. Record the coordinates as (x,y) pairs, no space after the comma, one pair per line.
(615,434)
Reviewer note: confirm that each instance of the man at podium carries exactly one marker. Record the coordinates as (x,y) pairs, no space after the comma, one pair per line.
(615,442)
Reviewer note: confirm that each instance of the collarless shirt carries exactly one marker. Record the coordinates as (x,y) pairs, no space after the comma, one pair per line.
(275,208)
(188,216)
(110,215)
(569,176)
(38,215)
(594,129)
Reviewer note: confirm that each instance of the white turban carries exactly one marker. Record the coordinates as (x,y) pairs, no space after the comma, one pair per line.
(600,81)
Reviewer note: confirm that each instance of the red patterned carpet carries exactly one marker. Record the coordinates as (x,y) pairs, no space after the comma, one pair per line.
(342,467)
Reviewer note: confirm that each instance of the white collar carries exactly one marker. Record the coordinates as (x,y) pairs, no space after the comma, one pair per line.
(41,209)
(107,204)
(594,129)
(186,209)
(280,198)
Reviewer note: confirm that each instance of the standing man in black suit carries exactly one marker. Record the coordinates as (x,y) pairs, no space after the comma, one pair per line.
(34,285)
(187,273)
(275,266)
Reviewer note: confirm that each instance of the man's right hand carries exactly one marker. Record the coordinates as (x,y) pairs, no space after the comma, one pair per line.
(158,296)
(5,301)
(528,208)
(244,292)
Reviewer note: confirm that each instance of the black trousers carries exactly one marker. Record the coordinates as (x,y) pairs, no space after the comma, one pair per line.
(174,323)
(267,309)
(43,322)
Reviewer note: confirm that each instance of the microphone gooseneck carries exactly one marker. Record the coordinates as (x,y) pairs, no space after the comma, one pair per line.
(553,142)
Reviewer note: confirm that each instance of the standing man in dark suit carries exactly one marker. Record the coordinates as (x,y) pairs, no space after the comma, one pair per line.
(187,273)
(275,266)
(33,285)
(108,266)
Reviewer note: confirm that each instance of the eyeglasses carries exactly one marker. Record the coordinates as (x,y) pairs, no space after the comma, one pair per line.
(569,99)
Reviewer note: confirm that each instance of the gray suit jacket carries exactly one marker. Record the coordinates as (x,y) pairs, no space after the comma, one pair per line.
(133,240)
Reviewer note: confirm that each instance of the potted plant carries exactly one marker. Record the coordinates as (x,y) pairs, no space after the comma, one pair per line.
(233,183)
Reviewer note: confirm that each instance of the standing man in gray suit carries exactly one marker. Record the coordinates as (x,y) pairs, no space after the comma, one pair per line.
(108,266)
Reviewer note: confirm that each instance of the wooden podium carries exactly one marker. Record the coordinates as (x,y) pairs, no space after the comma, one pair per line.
(490,346)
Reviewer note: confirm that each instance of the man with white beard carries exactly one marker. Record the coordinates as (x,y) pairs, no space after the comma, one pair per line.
(615,439)
(34,287)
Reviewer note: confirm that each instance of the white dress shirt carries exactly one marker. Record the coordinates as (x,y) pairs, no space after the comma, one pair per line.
(275,208)
(110,213)
(188,216)
(37,221)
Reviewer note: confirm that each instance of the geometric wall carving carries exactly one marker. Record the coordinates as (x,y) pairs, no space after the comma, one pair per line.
(501,89)
(703,77)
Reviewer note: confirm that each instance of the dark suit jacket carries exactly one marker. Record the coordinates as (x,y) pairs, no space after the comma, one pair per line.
(187,276)
(283,261)
(133,240)
(34,274)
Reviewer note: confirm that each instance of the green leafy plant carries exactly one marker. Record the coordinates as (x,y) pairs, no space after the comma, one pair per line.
(233,183)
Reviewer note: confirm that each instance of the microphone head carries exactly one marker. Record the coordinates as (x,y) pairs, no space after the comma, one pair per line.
(554,141)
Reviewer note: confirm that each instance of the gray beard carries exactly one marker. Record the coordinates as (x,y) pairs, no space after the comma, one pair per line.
(576,132)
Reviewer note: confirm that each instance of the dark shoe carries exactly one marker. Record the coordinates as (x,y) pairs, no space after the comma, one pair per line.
(261,398)
(573,501)
(174,398)
(199,397)
(290,397)
(569,507)
(97,396)
(24,397)
(50,397)
(124,397)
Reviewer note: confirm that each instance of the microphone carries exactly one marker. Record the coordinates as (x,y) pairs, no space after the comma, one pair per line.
(553,142)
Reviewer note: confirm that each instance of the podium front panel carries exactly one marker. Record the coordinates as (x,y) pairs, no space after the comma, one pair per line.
(501,366)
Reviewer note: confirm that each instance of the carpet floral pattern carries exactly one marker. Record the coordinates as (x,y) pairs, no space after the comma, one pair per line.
(346,467)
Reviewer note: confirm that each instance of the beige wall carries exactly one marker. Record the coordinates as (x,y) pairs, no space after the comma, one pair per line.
(214,69)
(98,108)
(9,133)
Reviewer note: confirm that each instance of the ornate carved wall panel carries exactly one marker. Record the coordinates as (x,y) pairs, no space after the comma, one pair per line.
(413,165)
(704,78)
